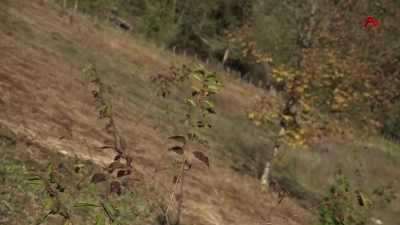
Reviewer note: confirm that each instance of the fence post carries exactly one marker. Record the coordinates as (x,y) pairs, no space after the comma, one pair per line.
(207,62)
(259,83)
(251,81)
(173,50)
(65,4)
(240,75)
(195,57)
(219,64)
(228,70)
(76,6)
(184,53)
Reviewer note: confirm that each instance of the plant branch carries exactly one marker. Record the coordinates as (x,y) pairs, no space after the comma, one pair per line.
(147,108)
(307,210)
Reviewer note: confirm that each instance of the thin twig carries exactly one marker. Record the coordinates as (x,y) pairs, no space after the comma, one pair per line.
(305,211)
(147,107)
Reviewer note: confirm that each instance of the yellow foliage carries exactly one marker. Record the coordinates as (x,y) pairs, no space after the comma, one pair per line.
(251,115)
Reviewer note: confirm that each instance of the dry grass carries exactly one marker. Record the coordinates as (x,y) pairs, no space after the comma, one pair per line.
(42,51)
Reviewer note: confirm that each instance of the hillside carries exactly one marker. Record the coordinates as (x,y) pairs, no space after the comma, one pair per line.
(47,115)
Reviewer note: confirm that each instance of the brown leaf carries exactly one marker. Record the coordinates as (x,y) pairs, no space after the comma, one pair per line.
(177,150)
(114,187)
(122,173)
(98,177)
(129,160)
(339,215)
(178,138)
(187,166)
(199,155)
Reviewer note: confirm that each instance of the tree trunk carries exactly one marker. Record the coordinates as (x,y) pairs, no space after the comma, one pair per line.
(282,131)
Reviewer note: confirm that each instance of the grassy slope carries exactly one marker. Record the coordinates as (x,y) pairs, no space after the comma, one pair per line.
(45,97)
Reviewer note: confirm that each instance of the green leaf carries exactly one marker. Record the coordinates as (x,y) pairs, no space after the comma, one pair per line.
(31,172)
(109,142)
(100,219)
(65,221)
(68,192)
(216,82)
(117,138)
(101,108)
(203,123)
(176,164)
(211,75)
(210,104)
(208,111)
(92,188)
(185,122)
(42,220)
(212,88)
(61,208)
(122,143)
(195,88)
(111,208)
(197,77)
(203,142)
(191,102)
(194,93)
(35,180)
(364,201)
(84,205)
(49,169)
(55,179)
(48,203)
(160,169)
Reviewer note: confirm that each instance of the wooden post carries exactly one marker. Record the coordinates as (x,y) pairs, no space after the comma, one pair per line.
(240,75)
(251,80)
(195,56)
(259,83)
(228,70)
(76,6)
(207,62)
(184,53)
(219,64)
(173,50)
(65,4)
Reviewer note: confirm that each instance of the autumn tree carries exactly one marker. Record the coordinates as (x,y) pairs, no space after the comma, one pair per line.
(326,62)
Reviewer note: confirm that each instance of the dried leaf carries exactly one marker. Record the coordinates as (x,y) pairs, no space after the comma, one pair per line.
(160,169)
(114,187)
(178,138)
(187,166)
(200,156)
(129,160)
(122,173)
(339,215)
(177,150)
(98,177)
